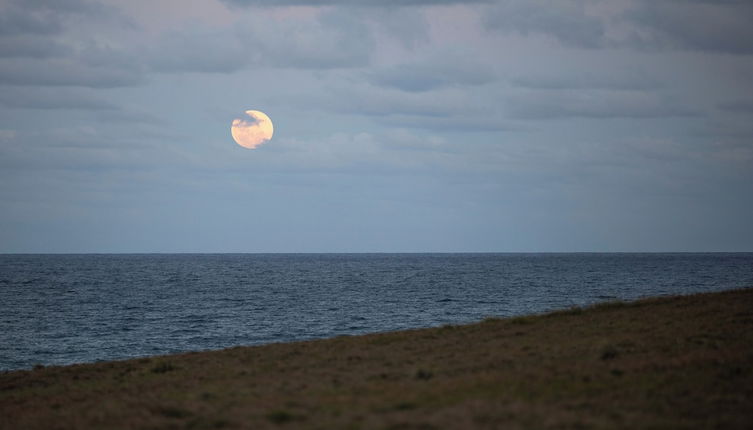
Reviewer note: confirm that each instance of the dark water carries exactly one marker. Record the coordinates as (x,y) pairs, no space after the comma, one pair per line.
(60,309)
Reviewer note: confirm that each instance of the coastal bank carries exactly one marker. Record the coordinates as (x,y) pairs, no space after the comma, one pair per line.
(668,362)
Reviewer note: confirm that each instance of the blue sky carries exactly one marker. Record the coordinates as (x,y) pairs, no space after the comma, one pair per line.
(423,125)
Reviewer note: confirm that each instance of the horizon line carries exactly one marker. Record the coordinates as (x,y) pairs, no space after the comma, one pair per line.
(370,252)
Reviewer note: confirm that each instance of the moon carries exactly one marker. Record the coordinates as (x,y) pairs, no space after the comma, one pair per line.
(253,131)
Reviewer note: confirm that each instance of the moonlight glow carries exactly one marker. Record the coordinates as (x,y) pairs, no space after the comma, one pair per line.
(250,133)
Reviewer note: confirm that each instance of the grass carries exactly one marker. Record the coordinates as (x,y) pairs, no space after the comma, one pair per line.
(673,362)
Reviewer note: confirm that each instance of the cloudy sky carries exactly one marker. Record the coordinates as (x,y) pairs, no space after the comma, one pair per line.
(417,125)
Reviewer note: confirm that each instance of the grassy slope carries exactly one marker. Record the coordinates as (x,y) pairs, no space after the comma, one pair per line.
(662,363)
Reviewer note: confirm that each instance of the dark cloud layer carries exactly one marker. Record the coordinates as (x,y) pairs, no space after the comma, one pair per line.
(713,26)
(324,42)
(693,25)
(16,20)
(563,20)
(35,52)
(376,3)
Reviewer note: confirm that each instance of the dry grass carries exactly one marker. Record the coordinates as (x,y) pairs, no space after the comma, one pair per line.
(681,362)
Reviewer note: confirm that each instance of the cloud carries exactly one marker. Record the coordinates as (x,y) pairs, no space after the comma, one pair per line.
(39,45)
(331,40)
(48,17)
(379,102)
(450,70)
(565,21)
(464,122)
(725,129)
(382,153)
(31,46)
(7,134)
(323,41)
(199,50)
(450,108)
(64,6)
(737,106)
(128,117)
(408,26)
(52,98)
(692,25)
(17,18)
(620,79)
(85,148)
(593,104)
(66,72)
(401,139)
(375,3)
(26,32)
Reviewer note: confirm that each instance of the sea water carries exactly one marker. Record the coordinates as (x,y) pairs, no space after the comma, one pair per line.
(62,309)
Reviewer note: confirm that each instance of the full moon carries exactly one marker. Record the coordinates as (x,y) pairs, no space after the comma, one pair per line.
(253,131)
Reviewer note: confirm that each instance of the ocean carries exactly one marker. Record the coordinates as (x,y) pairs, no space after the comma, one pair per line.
(64,309)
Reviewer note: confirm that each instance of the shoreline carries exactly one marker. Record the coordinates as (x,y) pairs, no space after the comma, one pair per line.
(670,361)
(604,301)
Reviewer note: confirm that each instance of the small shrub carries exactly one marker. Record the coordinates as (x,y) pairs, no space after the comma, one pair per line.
(163,367)
(423,374)
(609,353)
(201,422)
(523,320)
(280,416)
(172,412)
(405,406)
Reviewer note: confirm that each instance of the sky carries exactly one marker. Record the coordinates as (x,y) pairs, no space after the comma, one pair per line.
(399,126)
